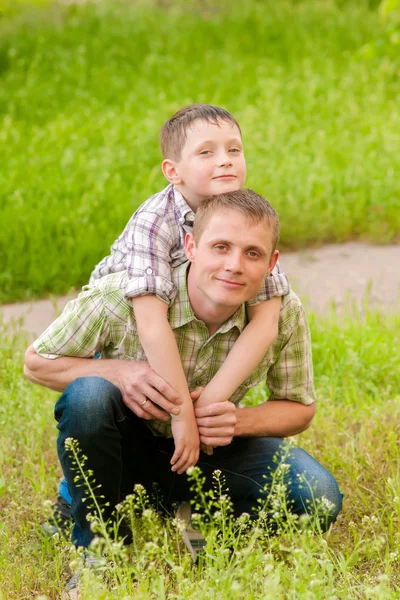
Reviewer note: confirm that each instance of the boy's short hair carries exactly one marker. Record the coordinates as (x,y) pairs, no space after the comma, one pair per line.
(173,132)
(249,203)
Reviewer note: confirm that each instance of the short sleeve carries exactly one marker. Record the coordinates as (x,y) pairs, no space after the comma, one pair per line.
(291,376)
(275,285)
(150,243)
(81,329)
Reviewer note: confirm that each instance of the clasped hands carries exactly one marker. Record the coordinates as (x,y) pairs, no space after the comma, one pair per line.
(215,421)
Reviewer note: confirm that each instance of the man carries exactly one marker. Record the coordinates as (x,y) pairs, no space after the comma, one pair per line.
(119,410)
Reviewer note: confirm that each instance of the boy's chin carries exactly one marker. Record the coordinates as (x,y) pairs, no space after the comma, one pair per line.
(224,187)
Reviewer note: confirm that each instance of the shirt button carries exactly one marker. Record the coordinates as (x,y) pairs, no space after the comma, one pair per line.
(149,271)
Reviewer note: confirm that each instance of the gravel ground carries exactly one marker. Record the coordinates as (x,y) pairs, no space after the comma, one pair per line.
(335,273)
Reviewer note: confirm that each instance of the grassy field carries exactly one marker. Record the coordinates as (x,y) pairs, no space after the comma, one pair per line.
(355,434)
(84,90)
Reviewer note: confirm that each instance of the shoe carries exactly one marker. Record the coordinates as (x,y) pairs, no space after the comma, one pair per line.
(192,538)
(71,590)
(60,521)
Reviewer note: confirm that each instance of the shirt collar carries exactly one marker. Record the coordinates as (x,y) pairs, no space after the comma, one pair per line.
(185,213)
(180,312)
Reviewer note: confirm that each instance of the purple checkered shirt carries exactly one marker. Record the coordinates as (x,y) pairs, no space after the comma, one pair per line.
(153,242)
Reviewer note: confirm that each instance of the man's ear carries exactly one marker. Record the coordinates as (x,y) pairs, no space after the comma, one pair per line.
(168,167)
(273,261)
(190,246)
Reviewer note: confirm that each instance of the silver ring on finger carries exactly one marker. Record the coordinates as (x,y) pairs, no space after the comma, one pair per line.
(142,404)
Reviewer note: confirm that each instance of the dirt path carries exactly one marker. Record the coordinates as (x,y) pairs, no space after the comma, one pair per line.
(336,273)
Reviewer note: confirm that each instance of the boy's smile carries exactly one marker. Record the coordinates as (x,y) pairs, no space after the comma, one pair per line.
(212,162)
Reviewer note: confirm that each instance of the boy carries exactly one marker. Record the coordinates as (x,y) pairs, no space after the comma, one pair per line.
(203,156)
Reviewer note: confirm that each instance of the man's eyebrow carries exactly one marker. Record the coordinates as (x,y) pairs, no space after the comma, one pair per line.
(220,241)
(259,249)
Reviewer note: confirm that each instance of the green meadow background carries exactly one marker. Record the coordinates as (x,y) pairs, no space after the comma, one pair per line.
(84,90)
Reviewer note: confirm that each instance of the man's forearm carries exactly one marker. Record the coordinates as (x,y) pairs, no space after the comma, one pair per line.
(275,418)
(58,373)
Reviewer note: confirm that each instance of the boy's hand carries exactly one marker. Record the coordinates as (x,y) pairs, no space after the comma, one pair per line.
(187,443)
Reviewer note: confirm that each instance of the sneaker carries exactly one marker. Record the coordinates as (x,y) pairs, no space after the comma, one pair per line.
(60,521)
(71,590)
(192,538)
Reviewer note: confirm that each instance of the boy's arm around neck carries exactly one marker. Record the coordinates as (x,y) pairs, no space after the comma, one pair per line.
(247,352)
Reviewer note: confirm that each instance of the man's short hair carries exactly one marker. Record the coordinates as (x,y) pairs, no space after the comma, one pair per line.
(173,132)
(253,206)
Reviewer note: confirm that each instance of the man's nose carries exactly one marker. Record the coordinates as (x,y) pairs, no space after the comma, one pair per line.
(234,262)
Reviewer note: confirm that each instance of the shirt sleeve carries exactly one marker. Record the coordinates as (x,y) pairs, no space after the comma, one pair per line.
(276,284)
(81,329)
(291,376)
(150,243)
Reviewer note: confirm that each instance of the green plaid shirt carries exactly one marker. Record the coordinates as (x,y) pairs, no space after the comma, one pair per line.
(101,319)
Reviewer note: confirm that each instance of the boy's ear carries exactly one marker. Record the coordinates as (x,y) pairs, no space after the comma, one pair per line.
(170,172)
(190,246)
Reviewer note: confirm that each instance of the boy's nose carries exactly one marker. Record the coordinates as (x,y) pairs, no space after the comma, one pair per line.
(224,159)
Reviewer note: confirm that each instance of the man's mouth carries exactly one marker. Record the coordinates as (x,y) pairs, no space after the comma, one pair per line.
(230,283)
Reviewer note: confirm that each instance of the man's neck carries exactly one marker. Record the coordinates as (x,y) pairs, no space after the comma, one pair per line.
(213,315)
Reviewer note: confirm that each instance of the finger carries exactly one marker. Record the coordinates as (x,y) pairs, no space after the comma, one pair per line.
(146,410)
(163,388)
(159,400)
(216,432)
(206,449)
(195,395)
(150,411)
(192,460)
(217,408)
(216,441)
(227,420)
(176,455)
(182,463)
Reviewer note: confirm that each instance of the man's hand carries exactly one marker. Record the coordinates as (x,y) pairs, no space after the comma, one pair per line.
(216,422)
(145,393)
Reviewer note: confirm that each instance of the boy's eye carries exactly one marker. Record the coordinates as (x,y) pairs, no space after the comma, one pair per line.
(205,152)
(234,150)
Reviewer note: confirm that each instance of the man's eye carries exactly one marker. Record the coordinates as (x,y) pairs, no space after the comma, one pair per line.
(220,247)
(253,254)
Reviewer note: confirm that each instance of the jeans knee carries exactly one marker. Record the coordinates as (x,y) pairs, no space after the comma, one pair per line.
(86,402)
(322,498)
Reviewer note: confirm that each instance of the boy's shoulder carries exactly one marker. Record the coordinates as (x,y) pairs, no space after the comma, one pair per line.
(168,201)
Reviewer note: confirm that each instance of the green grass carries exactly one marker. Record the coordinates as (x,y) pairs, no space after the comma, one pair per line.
(355,434)
(85,89)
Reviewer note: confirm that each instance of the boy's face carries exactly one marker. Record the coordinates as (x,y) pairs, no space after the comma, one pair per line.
(231,259)
(212,162)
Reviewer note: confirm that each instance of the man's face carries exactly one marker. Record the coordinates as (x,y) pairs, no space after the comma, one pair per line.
(231,259)
(212,161)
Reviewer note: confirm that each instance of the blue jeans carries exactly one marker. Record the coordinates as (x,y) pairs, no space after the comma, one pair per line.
(122,452)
